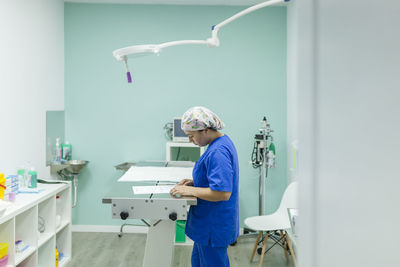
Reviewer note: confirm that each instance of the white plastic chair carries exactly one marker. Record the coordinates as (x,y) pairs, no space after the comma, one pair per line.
(278,221)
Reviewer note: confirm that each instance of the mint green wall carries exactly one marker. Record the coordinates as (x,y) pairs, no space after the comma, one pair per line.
(109,121)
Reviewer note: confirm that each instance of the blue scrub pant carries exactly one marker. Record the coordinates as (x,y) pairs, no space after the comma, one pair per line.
(207,256)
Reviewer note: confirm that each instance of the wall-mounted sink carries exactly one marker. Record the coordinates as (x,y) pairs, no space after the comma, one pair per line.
(75,166)
(70,170)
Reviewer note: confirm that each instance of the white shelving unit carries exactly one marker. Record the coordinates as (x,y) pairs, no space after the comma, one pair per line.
(171,145)
(21,222)
(63,244)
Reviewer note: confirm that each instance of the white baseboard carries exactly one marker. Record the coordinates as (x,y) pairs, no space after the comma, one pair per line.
(115,229)
(109,229)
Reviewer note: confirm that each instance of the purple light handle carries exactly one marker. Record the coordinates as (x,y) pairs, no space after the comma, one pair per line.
(128,76)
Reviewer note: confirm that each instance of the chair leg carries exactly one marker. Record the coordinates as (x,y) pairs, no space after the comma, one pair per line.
(263,249)
(255,246)
(291,249)
(284,245)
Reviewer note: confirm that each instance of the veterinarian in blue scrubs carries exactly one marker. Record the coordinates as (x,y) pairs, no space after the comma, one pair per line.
(214,223)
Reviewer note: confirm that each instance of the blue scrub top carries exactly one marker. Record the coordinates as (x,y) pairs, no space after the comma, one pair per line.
(210,223)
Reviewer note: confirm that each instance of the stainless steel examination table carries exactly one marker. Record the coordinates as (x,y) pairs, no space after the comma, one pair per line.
(158,211)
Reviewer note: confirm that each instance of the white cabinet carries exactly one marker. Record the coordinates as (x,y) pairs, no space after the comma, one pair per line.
(42,223)
(180,151)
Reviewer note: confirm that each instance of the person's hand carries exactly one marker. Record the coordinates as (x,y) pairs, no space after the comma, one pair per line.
(188,182)
(181,190)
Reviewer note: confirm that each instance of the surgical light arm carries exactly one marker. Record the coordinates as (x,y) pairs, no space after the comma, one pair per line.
(123,53)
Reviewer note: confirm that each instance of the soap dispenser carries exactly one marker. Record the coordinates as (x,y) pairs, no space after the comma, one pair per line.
(57,152)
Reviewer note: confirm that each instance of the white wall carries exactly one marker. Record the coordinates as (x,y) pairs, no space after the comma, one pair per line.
(349,124)
(301,117)
(31,78)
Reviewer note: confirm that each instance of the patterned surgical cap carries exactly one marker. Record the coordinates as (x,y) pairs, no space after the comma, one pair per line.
(200,118)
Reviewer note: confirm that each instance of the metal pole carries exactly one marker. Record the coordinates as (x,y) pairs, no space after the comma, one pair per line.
(260,189)
(264,164)
(75,181)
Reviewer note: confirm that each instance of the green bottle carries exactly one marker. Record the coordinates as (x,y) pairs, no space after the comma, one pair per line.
(32,178)
(272,148)
(66,151)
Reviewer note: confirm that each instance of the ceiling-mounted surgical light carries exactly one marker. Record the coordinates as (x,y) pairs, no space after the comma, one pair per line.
(122,54)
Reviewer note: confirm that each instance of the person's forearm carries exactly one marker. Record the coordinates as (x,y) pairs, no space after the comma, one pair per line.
(210,195)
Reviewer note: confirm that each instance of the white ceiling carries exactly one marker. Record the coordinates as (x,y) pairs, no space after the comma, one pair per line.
(176,2)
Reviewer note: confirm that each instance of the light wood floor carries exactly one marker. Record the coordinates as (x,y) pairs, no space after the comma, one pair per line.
(108,250)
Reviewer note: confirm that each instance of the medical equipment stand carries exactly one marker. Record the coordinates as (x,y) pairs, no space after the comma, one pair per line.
(265,159)
(261,159)
(265,162)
